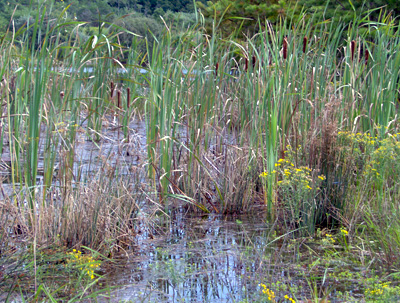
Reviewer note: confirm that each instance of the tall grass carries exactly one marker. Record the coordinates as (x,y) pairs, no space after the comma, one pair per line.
(246,102)
(55,88)
(219,112)
(221,116)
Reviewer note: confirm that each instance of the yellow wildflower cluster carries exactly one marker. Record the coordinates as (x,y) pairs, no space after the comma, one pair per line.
(384,157)
(374,158)
(377,291)
(268,292)
(344,231)
(361,138)
(296,186)
(264,174)
(330,238)
(85,263)
(299,178)
(290,299)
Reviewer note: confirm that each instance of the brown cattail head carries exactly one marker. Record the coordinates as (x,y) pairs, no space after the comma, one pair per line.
(216,68)
(304,45)
(119,98)
(352,49)
(246,64)
(254,61)
(62,94)
(128,96)
(285,45)
(366,56)
(111,89)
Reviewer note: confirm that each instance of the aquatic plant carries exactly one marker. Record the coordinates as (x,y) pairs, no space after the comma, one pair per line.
(85,263)
(295,121)
(297,189)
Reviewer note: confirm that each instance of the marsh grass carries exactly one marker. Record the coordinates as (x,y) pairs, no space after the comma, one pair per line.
(254,98)
(219,113)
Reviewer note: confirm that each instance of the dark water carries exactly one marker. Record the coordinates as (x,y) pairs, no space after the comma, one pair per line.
(200,259)
(197,260)
(222,259)
(112,151)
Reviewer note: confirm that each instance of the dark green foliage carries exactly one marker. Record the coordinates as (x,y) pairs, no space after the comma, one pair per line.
(147,28)
(344,9)
(94,12)
(242,16)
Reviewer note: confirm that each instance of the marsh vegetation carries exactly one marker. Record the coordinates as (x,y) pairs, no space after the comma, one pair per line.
(108,149)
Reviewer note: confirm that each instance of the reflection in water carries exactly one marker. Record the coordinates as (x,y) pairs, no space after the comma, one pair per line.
(112,153)
(200,260)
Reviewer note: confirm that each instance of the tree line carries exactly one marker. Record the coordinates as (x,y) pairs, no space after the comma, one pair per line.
(142,17)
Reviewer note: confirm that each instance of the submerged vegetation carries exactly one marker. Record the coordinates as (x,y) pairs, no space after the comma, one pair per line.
(297,124)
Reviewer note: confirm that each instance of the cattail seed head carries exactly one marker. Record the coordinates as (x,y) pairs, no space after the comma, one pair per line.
(111,89)
(62,94)
(352,49)
(216,68)
(254,61)
(304,45)
(128,96)
(285,46)
(246,64)
(366,56)
(119,98)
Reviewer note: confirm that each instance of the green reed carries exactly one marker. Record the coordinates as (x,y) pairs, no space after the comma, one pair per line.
(219,112)
(289,85)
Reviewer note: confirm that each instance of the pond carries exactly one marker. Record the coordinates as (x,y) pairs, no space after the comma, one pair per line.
(231,259)
(215,258)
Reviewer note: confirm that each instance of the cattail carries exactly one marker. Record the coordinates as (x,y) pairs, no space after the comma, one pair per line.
(304,45)
(285,44)
(216,68)
(246,64)
(119,98)
(128,101)
(62,94)
(111,89)
(352,49)
(366,56)
(254,61)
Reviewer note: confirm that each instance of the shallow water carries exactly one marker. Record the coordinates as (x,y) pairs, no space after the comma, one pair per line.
(216,259)
(206,258)
(198,260)
(112,151)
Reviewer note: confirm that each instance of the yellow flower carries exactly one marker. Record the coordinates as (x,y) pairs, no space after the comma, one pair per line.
(330,237)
